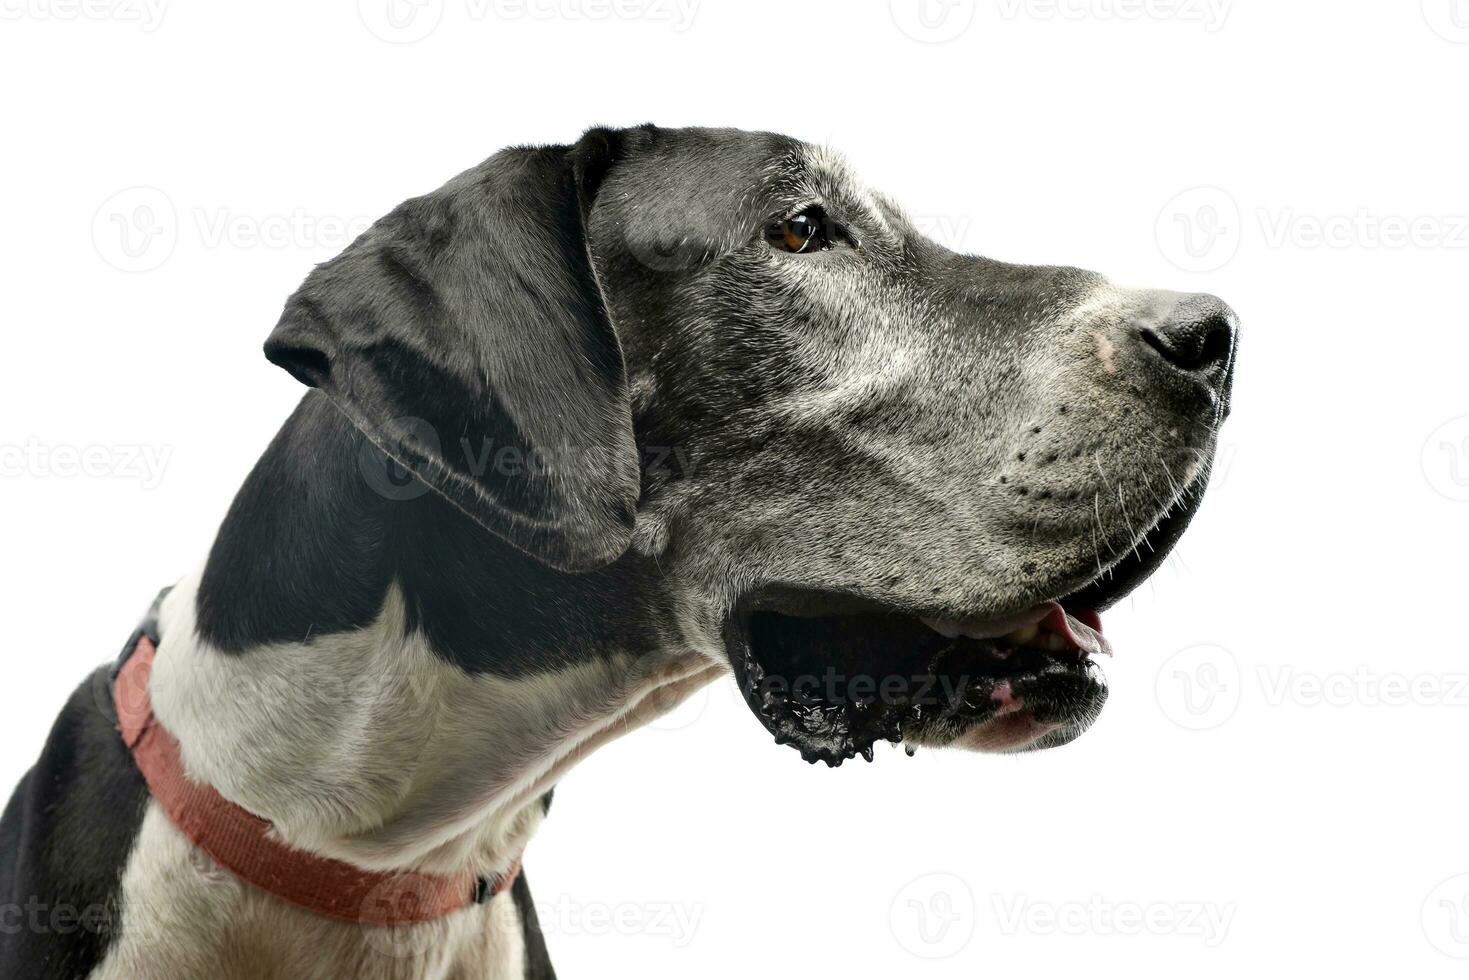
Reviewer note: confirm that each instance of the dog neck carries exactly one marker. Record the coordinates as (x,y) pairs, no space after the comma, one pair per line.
(390,685)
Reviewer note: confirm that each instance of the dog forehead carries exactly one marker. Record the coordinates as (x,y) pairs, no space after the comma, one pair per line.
(716,185)
(688,167)
(831,178)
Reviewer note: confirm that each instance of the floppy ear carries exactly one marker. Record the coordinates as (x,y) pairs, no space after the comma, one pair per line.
(466,336)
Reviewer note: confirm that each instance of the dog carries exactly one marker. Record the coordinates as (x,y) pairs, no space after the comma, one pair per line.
(589,427)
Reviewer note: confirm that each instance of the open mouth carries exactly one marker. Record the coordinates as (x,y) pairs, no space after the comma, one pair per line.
(832,674)
(833,683)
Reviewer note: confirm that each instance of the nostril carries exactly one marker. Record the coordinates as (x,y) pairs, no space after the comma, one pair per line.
(1197,337)
(1218,342)
(1154,341)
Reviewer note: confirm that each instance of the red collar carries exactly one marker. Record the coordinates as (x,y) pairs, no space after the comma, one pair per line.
(244,843)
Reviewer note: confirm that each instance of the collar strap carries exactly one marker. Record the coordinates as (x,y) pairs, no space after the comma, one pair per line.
(246,844)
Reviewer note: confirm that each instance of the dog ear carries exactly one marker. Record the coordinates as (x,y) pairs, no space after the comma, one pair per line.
(466,335)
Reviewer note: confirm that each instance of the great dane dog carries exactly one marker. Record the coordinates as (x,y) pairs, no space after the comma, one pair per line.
(590,426)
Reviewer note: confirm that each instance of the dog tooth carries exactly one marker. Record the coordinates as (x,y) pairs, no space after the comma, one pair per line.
(1056,643)
(1024,634)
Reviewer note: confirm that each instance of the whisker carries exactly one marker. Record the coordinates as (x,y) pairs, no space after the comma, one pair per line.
(1096,549)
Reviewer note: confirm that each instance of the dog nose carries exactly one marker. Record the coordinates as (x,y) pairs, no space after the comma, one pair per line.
(1196,336)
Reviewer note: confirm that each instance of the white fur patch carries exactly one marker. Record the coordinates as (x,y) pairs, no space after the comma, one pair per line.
(183,916)
(1106,351)
(365,747)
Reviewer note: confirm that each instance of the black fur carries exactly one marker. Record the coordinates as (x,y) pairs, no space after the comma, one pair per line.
(67,831)
(309,548)
(468,323)
(537,959)
(65,838)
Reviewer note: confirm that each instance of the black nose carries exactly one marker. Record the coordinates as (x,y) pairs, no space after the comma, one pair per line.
(1196,335)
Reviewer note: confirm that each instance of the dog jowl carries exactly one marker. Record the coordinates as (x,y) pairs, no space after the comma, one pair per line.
(907,480)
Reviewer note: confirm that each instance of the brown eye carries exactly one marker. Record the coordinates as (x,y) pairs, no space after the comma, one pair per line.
(798,232)
(809,231)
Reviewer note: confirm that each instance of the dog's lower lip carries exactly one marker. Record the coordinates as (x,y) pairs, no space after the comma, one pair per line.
(800,658)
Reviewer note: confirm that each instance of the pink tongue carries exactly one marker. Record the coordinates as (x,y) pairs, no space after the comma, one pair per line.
(1082,629)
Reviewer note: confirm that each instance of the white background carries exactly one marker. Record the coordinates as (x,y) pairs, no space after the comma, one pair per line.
(1278,782)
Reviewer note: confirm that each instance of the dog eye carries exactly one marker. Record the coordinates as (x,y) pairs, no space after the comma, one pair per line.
(809,231)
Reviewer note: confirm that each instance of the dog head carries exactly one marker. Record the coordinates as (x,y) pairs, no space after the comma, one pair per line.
(897,482)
